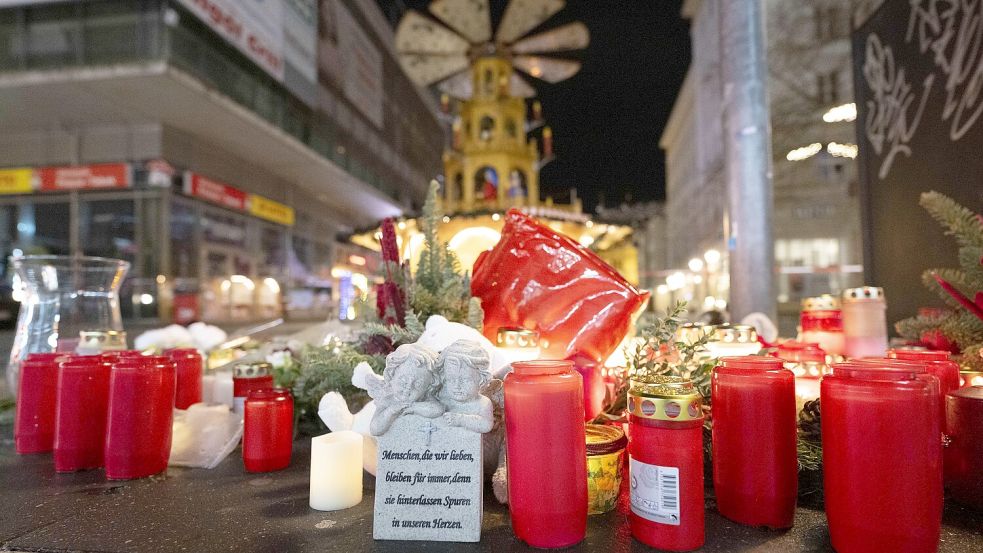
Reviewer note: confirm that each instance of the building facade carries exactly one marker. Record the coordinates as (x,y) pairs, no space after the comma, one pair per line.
(220,146)
(816,217)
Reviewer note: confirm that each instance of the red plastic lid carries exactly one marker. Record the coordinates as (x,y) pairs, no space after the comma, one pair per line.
(752,362)
(83,363)
(542,366)
(143,361)
(918,354)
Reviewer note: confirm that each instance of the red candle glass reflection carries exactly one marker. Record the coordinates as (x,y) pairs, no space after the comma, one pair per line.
(267,438)
(547,452)
(188,365)
(882,457)
(80,421)
(141,412)
(34,418)
(755,467)
(964,456)
(665,448)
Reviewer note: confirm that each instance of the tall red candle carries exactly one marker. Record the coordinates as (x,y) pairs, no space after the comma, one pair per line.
(188,363)
(882,457)
(141,412)
(547,453)
(80,420)
(34,418)
(964,456)
(755,465)
(936,363)
(268,432)
(665,448)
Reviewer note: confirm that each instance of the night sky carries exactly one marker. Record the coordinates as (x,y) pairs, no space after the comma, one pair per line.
(608,118)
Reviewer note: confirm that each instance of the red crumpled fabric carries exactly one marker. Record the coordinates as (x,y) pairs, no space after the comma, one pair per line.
(538,279)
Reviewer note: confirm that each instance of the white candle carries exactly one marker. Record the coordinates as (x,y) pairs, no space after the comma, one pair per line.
(208,388)
(222,390)
(336,471)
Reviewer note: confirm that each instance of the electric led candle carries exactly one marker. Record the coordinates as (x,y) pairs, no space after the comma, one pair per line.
(80,419)
(268,431)
(729,340)
(864,322)
(755,467)
(140,418)
(882,456)
(37,392)
(665,449)
(336,471)
(964,456)
(547,457)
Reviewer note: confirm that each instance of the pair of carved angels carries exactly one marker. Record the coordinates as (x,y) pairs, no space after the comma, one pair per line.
(446,386)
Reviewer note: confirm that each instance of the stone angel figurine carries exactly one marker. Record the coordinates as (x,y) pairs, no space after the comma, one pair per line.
(411,384)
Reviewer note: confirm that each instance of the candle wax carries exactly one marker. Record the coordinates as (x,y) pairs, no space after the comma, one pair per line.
(336,471)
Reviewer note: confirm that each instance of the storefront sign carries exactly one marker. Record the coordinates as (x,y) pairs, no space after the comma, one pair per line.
(84,177)
(16,181)
(214,191)
(270,210)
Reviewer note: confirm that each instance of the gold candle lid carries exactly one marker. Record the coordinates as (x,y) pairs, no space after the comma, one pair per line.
(689,333)
(665,398)
(102,340)
(252,370)
(734,334)
(604,439)
(863,293)
(825,302)
(511,337)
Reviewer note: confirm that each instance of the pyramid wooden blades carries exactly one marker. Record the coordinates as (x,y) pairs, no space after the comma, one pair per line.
(419,34)
(471,18)
(551,70)
(522,16)
(572,36)
(426,69)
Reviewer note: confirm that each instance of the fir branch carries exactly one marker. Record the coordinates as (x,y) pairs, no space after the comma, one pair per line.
(955,277)
(960,222)
(913,328)
(971,263)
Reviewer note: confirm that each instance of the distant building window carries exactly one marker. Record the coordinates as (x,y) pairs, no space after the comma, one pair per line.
(486,129)
(828,87)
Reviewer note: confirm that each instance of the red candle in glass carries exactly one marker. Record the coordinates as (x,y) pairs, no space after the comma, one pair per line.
(547,453)
(141,412)
(755,465)
(247,377)
(80,421)
(665,448)
(37,392)
(882,456)
(188,365)
(964,456)
(268,433)
(936,363)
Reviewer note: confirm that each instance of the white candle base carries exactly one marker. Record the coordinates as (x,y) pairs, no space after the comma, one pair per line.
(336,471)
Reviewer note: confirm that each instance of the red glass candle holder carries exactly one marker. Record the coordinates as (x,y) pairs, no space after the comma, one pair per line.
(755,465)
(267,438)
(665,448)
(37,392)
(936,363)
(247,377)
(188,363)
(547,453)
(80,421)
(882,456)
(964,456)
(141,413)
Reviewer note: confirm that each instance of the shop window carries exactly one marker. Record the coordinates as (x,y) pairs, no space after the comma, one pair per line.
(184,247)
(43,228)
(106,229)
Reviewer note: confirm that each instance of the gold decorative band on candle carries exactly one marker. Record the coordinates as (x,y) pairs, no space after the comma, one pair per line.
(690,333)
(666,398)
(102,340)
(863,293)
(970,378)
(825,302)
(734,334)
(605,459)
(252,370)
(511,337)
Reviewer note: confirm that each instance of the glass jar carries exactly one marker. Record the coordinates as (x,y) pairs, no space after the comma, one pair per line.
(755,465)
(864,322)
(730,340)
(821,321)
(80,420)
(188,363)
(936,363)
(665,459)
(964,456)
(882,456)
(247,377)
(605,458)
(141,414)
(547,454)
(37,399)
(63,296)
(268,430)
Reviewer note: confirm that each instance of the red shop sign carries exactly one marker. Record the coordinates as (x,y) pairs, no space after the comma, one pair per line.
(214,191)
(85,177)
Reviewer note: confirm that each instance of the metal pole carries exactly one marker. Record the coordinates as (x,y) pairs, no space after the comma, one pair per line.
(747,142)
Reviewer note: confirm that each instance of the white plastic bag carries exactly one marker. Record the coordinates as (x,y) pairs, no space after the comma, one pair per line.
(204,435)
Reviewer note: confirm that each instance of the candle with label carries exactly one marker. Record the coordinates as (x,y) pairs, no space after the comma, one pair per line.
(665,449)
(336,471)
(547,458)
(80,420)
(37,392)
(755,468)
(882,456)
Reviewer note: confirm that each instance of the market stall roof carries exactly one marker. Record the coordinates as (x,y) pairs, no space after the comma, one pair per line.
(157,92)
